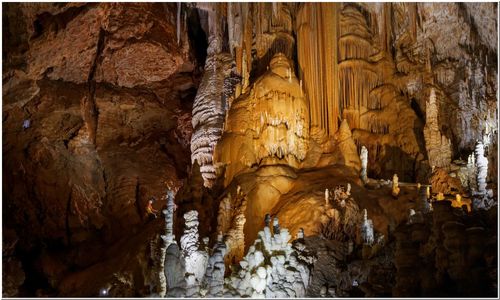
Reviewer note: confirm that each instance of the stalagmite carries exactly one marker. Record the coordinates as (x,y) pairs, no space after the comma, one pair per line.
(482,168)
(367,229)
(168,239)
(327,197)
(195,259)
(471,172)
(300,233)
(169,236)
(230,222)
(483,198)
(411,216)
(174,266)
(348,152)
(267,220)
(395,185)
(276,226)
(364,164)
(214,276)
(438,146)
(422,203)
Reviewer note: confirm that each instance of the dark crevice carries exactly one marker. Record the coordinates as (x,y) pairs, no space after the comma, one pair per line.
(138,205)
(72,135)
(46,22)
(68,212)
(197,37)
(89,106)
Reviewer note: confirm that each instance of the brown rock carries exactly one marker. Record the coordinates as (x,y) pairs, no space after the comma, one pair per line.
(68,54)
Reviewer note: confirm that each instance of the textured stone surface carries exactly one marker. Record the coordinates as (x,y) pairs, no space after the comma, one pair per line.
(107,93)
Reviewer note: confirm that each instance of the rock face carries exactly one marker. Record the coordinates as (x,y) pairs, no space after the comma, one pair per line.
(449,244)
(105,90)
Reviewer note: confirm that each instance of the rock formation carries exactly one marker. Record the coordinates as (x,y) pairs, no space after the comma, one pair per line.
(195,258)
(364,164)
(275,130)
(230,222)
(438,146)
(395,185)
(271,269)
(211,103)
(482,168)
(367,229)
(482,197)
(214,274)
(448,242)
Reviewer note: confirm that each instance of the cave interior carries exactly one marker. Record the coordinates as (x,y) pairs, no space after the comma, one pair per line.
(266,150)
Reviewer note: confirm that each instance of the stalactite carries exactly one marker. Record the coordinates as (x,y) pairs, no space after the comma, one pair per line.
(212,99)
(317,33)
(179,6)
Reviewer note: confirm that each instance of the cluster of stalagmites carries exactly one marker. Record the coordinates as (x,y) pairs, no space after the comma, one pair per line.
(272,268)
(450,178)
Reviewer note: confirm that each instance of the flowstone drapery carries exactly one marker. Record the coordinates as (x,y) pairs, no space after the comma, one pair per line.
(267,126)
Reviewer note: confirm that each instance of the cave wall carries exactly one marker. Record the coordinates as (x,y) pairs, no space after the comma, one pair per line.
(107,89)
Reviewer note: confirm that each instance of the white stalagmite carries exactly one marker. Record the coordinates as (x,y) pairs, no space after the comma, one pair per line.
(482,168)
(367,229)
(214,276)
(195,260)
(168,239)
(272,268)
(483,198)
(364,164)
(169,236)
